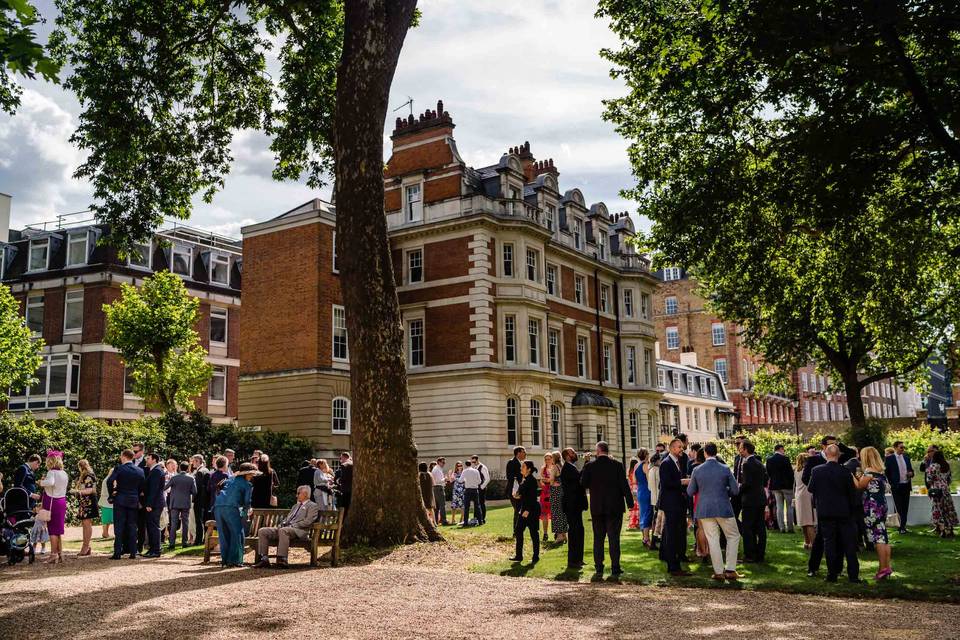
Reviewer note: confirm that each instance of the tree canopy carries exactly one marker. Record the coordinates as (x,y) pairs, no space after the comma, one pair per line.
(19,353)
(154,329)
(800,159)
(20,52)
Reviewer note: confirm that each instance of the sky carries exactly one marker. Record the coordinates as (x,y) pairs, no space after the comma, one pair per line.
(507,72)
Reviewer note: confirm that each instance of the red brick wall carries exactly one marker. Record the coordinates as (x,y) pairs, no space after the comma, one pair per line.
(426,294)
(203,325)
(441,188)
(423,156)
(286,277)
(492,245)
(569,350)
(233,333)
(393,199)
(53,315)
(447,334)
(447,258)
(566,283)
(94,320)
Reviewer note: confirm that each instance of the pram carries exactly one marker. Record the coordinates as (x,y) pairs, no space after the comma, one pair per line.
(16,521)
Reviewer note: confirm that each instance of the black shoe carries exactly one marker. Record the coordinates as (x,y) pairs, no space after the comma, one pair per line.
(616,572)
(133,556)
(152,554)
(116,557)
(856,581)
(811,574)
(263,563)
(535,560)
(831,578)
(598,570)
(516,559)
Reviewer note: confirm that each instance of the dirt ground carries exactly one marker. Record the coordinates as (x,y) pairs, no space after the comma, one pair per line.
(423,591)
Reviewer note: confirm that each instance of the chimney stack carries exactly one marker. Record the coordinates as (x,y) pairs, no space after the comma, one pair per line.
(5,217)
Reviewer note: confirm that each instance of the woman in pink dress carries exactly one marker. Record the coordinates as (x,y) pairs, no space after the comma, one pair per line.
(635,511)
(546,478)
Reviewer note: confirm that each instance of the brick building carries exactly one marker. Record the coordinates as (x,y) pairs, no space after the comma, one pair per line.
(527,316)
(821,402)
(695,401)
(685,326)
(62,277)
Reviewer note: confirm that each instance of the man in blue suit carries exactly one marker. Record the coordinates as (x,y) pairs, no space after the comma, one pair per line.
(899,474)
(25,477)
(715,483)
(124,486)
(154,503)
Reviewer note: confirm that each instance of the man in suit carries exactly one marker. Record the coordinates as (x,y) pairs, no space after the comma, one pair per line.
(738,475)
(201,478)
(814,461)
(899,474)
(673,502)
(25,477)
(606,479)
(834,495)
(573,502)
(140,461)
(182,488)
(715,483)
(753,500)
(514,478)
(124,486)
(780,472)
(296,526)
(154,501)
(343,481)
(482,491)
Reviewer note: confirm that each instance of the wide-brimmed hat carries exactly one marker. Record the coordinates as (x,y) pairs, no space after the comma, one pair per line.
(248,469)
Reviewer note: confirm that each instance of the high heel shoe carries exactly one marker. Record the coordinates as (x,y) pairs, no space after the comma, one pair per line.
(83,553)
(55,558)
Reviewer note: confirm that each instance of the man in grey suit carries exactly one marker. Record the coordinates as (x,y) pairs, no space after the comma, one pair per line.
(182,489)
(295,526)
(715,484)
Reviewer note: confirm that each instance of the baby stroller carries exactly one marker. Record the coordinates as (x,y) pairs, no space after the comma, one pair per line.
(16,521)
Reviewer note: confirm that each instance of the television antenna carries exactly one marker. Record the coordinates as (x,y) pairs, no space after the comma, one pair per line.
(409,103)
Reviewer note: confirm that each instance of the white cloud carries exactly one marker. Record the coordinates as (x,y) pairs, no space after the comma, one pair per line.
(507,72)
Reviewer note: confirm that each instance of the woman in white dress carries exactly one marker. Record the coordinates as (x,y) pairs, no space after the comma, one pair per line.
(322,478)
(803,503)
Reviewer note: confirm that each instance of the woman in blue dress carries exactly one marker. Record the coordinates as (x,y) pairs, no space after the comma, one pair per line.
(643,494)
(230,511)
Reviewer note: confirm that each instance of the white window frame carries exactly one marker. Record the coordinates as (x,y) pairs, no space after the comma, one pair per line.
(551,218)
(578,234)
(413,207)
(673,338)
(551,280)
(582,362)
(220,313)
(219,258)
(344,415)
(719,334)
(342,312)
(607,362)
(720,370)
(174,250)
(36,244)
(671,306)
(634,430)
(44,399)
(411,255)
(604,298)
(631,364)
(601,243)
(510,338)
(578,283)
(34,305)
(74,238)
(533,265)
(147,256)
(556,425)
(628,303)
(671,273)
(553,350)
(221,373)
(804,381)
(645,306)
(676,380)
(536,423)
(71,297)
(691,383)
(661,379)
(412,332)
(508,259)
(533,336)
(513,422)
(648,365)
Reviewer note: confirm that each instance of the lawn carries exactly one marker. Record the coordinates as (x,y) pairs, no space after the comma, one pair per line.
(925,567)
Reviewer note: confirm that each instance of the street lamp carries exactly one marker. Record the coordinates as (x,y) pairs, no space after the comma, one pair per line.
(796,415)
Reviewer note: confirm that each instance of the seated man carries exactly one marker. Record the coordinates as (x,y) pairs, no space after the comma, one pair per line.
(296,525)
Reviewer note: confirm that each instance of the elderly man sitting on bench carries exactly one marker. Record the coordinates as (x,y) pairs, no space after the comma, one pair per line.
(295,526)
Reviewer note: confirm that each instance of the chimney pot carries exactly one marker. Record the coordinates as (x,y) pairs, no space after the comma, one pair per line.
(439,106)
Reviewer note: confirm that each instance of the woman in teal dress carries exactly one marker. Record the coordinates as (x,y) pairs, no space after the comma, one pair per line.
(643,495)
(230,511)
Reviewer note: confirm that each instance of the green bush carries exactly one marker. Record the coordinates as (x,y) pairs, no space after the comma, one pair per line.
(766,439)
(873,434)
(917,439)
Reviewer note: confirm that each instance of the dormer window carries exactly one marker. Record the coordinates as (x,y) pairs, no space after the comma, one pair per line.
(413,203)
(140,256)
(39,254)
(578,234)
(671,273)
(182,259)
(77,249)
(602,244)
(220,269)
(551,218)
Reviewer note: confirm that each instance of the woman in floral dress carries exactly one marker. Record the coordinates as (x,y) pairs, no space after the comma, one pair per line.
(558,519)
(546,478)
(632,481)
(456,503)
(873,483)
(944,516)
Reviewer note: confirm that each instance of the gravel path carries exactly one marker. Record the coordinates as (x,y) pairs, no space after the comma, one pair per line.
(419,592)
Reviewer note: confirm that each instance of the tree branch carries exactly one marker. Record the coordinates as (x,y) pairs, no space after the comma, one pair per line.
(928,113)
(913,365)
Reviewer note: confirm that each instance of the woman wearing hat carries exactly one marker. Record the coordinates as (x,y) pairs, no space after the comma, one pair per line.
(229,510)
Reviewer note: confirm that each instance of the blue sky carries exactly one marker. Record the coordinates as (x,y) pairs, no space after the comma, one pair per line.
(507,72)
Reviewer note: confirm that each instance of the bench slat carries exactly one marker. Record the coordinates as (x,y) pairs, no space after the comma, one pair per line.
(325,532)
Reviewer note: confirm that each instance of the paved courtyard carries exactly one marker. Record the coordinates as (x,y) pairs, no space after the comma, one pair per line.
(417,592)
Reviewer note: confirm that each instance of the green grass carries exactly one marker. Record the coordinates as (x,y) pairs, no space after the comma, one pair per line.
(925,567)
(99,545)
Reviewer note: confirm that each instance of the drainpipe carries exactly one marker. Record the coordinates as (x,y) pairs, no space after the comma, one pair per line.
(619,348)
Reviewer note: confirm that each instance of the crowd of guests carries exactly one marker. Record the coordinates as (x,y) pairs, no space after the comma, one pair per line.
(150,501)
(835,494)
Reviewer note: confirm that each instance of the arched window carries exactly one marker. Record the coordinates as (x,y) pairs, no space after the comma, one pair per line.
(556,413)
(634,430)
(535,423)
(512,422)
(341,415)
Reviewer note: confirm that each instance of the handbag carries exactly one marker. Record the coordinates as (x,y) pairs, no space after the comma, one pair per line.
(43,515)
(893,520)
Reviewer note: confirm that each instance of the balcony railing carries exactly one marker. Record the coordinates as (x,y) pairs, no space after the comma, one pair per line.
(634,262)
(669,429)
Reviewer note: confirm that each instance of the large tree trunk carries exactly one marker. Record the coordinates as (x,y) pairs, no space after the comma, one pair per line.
(852,387)
(386,504)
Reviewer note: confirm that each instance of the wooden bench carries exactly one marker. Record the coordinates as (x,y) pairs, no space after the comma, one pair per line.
(325,532)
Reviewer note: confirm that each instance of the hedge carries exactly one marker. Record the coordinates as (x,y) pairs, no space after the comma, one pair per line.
(172,436)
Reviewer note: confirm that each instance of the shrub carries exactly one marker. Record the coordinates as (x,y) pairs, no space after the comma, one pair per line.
(917,439)
(766,439)
(873,434)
